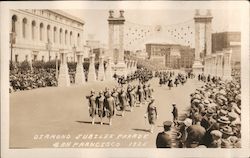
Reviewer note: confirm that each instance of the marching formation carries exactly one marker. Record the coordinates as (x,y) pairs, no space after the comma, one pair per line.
(121,98)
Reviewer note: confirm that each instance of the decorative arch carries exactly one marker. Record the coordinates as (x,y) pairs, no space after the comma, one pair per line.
(24,27)
(33,29)
(41,30)
(13,23)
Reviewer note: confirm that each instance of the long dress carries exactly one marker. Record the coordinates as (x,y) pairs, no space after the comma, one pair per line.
(152,113)
(123,100)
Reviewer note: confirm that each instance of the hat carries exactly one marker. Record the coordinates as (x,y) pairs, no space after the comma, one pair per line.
(92,91)
(206,101)
(227,130)
(167,124)
(232,115)
(187,122)
(223,112)
(173,104)
(224,120)
(216,133)
(210,111)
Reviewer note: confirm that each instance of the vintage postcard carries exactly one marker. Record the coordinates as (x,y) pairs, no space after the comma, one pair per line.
(125,79)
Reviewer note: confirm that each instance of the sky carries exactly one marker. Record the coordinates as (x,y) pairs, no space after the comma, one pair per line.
(96,23)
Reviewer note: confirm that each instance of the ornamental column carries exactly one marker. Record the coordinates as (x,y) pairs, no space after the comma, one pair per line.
(91,73)
(111,35)
(227,64)
(208,33)
(121,43)
(80,76)
(63,79)
(197,66)
(108,73)
(101,76)
(219,64)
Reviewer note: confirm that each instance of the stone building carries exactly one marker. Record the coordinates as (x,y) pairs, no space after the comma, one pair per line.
(40,34)
(171,55)
(228,40)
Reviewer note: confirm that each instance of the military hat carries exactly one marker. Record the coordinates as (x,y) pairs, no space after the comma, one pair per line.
(167,124)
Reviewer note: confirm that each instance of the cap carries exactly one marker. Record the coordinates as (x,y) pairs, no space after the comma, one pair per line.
(167,124)
(188,122)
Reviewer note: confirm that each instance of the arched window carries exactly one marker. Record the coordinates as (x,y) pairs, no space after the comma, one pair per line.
(41,31)
(14,23)
(65,37)
(55,35)
(78,39)
(60,36)
(33,27)
(70,38)
(48,32)
(24,27)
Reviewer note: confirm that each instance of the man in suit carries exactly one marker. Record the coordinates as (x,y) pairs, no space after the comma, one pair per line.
(163,139)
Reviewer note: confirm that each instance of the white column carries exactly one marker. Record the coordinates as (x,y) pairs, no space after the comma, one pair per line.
(121,47)
(101,76)
(108,73)
(92,73)
(80,76)
(63,79)
(219,64)
(227,64)
(111,41)
(208,29)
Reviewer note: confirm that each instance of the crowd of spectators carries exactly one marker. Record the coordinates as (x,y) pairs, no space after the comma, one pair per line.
(31,79)
(214,119)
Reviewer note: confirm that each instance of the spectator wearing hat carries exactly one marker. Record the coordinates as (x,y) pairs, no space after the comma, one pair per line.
(163,139)
(223,121)
(195,136)
(152,115)
(183,130)
(175,114)
(92,106)
(227,132)
(216,139)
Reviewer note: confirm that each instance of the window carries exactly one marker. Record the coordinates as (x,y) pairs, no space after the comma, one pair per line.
(48,32)
(41,32)
(14,23)
(24,26)
(65,37)
(33,29)
(70,38)
(26,57)
(60,36)
(16,58)
(54,35)
(78,39)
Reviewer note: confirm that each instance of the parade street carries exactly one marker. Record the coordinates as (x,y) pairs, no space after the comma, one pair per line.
(36,116)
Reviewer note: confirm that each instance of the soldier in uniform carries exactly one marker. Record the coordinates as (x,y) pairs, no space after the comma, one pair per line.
(110,107)
(140,94)
(92,106)
(100,104)
(175,114)
(131,96)
(164,139)
(152,115)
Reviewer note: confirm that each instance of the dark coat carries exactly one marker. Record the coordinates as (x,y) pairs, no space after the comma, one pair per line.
(163,140)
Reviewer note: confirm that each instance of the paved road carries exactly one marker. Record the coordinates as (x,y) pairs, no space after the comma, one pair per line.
(58,117)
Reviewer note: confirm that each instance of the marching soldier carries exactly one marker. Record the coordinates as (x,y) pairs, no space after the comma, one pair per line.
(92,106)
(100,105)
(175,114)
(110,107)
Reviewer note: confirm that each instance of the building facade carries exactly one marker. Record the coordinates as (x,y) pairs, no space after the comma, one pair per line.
(42,34)
(228,40)
(171,55)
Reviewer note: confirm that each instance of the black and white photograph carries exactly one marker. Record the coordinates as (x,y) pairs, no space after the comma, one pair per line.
(123,77)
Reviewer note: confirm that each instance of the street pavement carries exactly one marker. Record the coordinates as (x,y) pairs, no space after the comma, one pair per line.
(58,117)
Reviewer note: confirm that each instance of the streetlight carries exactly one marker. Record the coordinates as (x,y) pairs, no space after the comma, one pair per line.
(48,47)
(12,42)
(74,51)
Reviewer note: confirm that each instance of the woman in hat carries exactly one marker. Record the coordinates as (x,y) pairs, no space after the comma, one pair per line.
(152,114)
